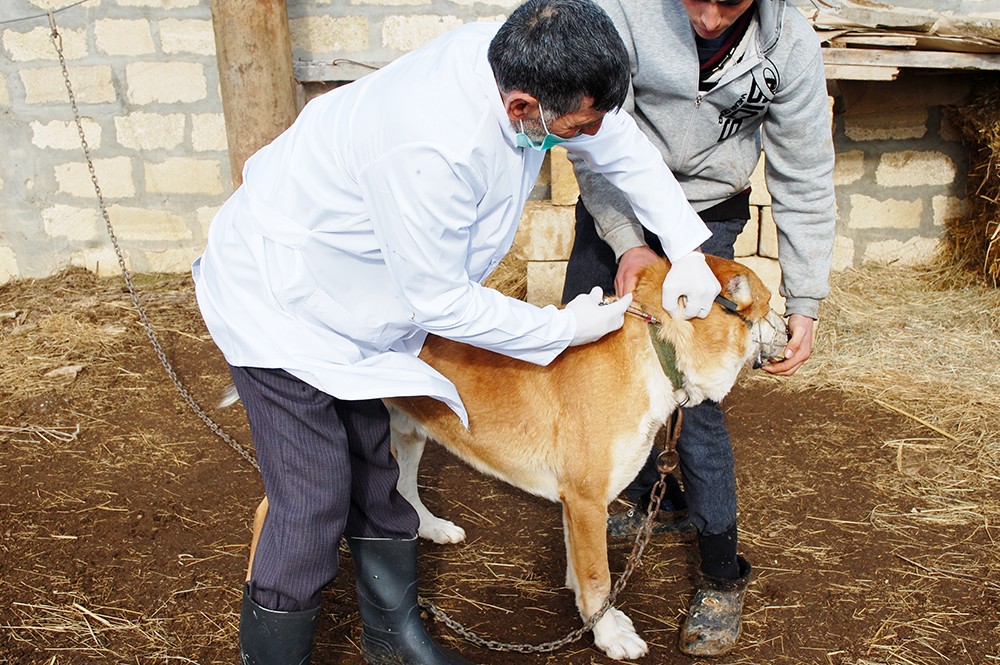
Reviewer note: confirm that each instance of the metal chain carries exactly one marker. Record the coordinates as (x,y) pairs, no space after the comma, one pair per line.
(665,463)
(143,319)
(641,540)
(638,547)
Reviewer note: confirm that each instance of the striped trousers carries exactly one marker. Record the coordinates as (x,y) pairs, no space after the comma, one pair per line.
(328,471)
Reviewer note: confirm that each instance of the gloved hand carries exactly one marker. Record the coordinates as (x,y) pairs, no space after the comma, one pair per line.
(690,278)
(594,320)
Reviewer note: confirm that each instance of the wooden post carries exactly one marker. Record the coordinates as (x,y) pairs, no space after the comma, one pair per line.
(254,53)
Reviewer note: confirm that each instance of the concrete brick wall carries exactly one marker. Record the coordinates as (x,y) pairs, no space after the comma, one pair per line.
(901,166)
(144,75)
(376,31)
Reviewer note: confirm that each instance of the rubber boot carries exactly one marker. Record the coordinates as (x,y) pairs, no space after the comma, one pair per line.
(386,572)
(714,621)
(269,637)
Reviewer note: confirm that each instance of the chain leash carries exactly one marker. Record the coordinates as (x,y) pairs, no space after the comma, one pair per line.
(664,464)
(143,319)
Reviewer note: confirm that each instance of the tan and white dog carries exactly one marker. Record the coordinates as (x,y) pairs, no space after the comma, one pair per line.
(578,430)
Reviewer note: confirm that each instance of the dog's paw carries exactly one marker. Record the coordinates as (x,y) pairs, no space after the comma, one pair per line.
(615,635)
(440,531)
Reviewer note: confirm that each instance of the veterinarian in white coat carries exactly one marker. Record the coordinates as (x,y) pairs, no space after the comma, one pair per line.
(368,224)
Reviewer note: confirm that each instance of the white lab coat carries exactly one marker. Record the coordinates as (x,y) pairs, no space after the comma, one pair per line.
(374,218)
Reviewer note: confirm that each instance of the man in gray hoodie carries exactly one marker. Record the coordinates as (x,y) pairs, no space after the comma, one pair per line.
(714,81)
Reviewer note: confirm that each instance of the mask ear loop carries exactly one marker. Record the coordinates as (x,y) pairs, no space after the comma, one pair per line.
(541,116)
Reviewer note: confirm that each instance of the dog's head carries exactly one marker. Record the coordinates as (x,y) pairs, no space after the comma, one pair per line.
(741,329)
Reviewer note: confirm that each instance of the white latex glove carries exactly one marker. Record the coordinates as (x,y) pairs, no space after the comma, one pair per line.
(690,279)
(594,320)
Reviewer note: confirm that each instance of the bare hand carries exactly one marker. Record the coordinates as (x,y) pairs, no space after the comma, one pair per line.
(631,262)
(802,331)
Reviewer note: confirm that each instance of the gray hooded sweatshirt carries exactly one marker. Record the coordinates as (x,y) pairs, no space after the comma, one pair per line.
(712,140)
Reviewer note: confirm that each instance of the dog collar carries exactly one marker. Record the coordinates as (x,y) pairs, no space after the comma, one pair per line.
(667,355)
(665,351)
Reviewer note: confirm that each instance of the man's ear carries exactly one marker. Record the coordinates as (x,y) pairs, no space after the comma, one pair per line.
(520,105)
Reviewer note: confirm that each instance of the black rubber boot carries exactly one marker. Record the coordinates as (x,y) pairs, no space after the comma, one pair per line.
(394,634)
(713,623)
(268,637)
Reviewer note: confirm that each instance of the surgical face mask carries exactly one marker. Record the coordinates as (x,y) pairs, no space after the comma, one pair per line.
(522,140)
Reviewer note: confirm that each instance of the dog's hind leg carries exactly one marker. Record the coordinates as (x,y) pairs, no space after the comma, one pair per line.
(258,524)
(408,441)
(584,526)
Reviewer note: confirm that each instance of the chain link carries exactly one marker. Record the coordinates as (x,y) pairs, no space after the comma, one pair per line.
(143,319)
(666,462)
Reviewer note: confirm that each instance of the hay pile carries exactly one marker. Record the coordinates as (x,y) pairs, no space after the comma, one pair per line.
(973,241)
(924,342)
(510,277)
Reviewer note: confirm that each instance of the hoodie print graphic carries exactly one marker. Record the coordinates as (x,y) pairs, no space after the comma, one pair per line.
(763,82)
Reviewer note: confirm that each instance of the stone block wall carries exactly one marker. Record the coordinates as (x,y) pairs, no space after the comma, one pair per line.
(901,166)
(373,32)
(145,78)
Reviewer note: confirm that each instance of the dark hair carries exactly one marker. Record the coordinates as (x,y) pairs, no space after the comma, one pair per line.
(560,51)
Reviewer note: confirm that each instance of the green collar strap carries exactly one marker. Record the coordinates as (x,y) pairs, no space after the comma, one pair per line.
(667,355)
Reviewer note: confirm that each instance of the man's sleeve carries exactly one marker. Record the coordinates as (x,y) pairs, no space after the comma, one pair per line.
(423,206)
(799,160)
(641,186)
(616,223)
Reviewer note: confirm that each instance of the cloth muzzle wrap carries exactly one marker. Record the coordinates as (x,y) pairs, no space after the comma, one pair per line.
(770,338)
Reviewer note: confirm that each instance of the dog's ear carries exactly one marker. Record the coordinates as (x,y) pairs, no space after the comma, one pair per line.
(737,288)
(741,285)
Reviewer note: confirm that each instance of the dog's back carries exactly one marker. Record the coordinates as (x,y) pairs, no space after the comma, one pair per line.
(539,428)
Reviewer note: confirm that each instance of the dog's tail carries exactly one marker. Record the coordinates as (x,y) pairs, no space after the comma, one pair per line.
(229,396)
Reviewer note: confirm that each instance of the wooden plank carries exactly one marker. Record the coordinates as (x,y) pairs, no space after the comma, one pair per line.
(910,59)
(860,73)
(254,52)
(308,71)
(882,41)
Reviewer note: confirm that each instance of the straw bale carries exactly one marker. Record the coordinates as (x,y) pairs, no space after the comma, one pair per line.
(973,240)
(510,277)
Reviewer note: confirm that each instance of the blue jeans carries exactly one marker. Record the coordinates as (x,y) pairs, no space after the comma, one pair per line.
(704,447)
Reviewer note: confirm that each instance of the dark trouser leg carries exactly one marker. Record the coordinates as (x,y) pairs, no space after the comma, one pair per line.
(321,458)
(591,261)
(706,461)
(326,463)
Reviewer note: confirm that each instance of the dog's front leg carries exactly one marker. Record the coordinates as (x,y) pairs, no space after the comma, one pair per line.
(587,574)
(408,441)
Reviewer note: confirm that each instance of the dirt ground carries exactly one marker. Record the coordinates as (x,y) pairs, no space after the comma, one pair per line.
(125,521)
